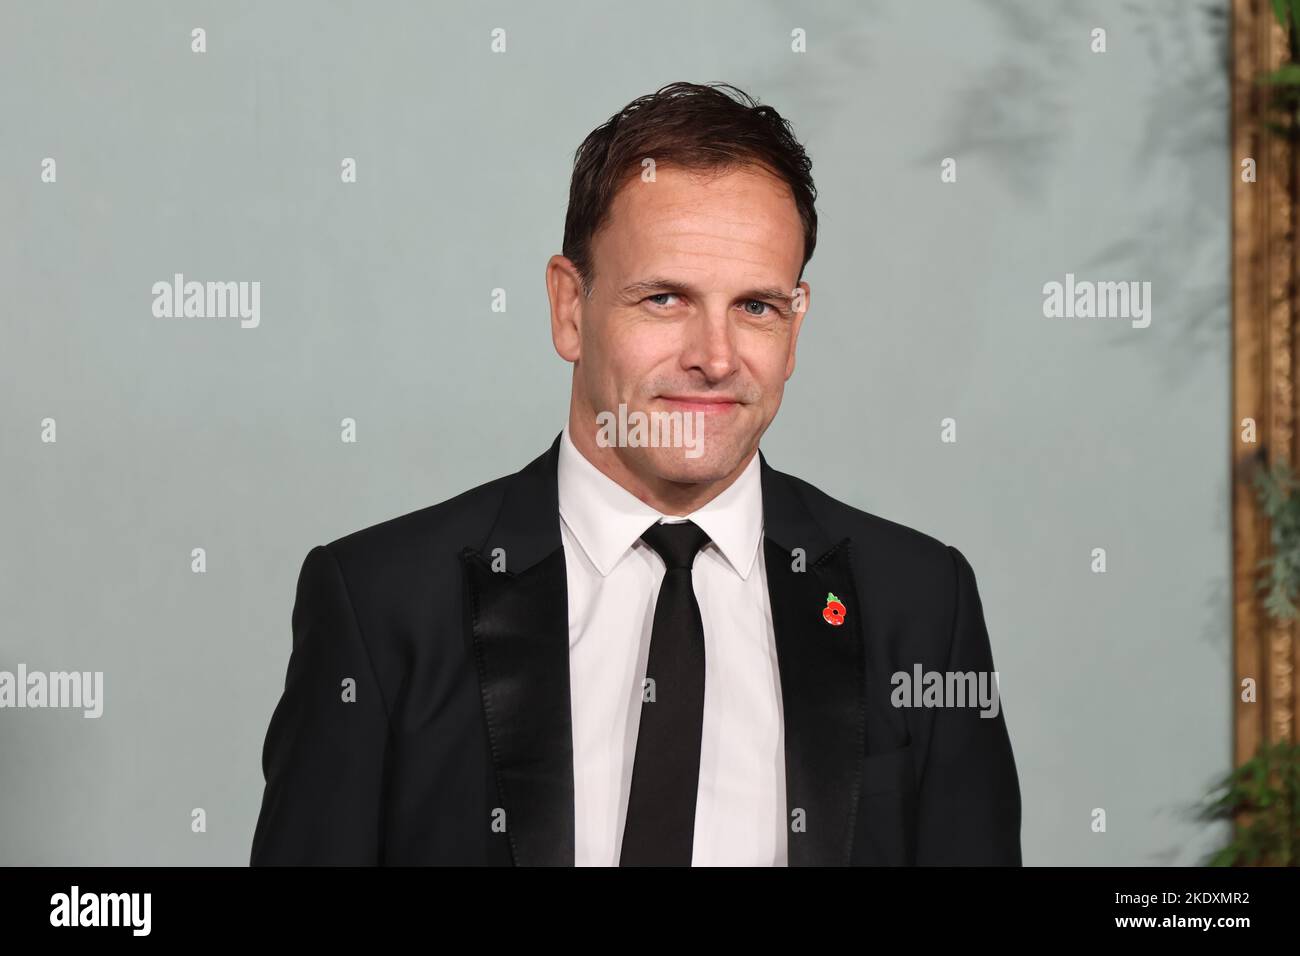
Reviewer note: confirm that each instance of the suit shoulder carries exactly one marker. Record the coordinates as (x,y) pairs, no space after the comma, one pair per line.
(874,537)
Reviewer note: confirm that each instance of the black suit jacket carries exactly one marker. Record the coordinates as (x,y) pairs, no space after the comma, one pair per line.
(458,747)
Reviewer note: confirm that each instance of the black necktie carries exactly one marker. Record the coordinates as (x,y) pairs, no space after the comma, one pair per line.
(660,826)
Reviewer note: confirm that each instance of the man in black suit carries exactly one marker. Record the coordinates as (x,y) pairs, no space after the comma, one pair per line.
(649,647)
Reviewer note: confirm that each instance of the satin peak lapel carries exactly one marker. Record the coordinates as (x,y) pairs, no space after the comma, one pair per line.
(517,620)
(823,673)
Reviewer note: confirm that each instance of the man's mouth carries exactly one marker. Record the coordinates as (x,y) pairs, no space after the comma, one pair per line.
(708,404)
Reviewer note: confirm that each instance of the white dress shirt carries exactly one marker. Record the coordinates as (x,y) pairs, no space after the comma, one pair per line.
(613,580)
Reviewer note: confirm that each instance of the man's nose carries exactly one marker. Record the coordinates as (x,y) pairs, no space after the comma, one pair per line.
(710,343)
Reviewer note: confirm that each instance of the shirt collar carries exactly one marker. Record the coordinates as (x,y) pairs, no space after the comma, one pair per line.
(607,519)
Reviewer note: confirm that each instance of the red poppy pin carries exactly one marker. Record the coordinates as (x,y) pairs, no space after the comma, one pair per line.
(833,612)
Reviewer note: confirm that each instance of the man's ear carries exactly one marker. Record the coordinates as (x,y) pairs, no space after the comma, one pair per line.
(564,289)
(802,297)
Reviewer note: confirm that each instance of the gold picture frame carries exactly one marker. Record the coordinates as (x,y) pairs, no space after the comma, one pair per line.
(1265,266)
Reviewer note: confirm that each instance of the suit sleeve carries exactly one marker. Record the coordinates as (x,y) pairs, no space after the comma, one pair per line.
(969,813)
(323,758)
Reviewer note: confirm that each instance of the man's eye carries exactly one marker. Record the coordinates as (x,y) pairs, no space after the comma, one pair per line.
(660,295)
(761,306)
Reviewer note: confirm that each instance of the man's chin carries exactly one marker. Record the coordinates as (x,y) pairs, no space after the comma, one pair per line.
(674,464)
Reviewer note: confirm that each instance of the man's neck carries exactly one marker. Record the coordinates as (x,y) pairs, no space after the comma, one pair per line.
(673,498)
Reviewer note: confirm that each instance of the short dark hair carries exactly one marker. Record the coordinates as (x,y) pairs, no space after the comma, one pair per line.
(705,127)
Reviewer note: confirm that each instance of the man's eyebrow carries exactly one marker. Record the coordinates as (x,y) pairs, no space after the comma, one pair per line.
(780,295)
(654,285)
(657,285)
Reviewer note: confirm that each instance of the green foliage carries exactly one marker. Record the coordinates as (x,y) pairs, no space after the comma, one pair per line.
(1288,74)
(1262,796)
(1266,790)
(1281,505)
(1283,84)
(1287,13)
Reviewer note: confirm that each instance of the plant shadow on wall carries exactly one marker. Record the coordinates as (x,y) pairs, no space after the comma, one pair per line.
(1032,109)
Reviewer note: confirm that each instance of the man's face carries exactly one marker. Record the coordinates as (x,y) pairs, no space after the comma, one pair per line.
(694,309)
